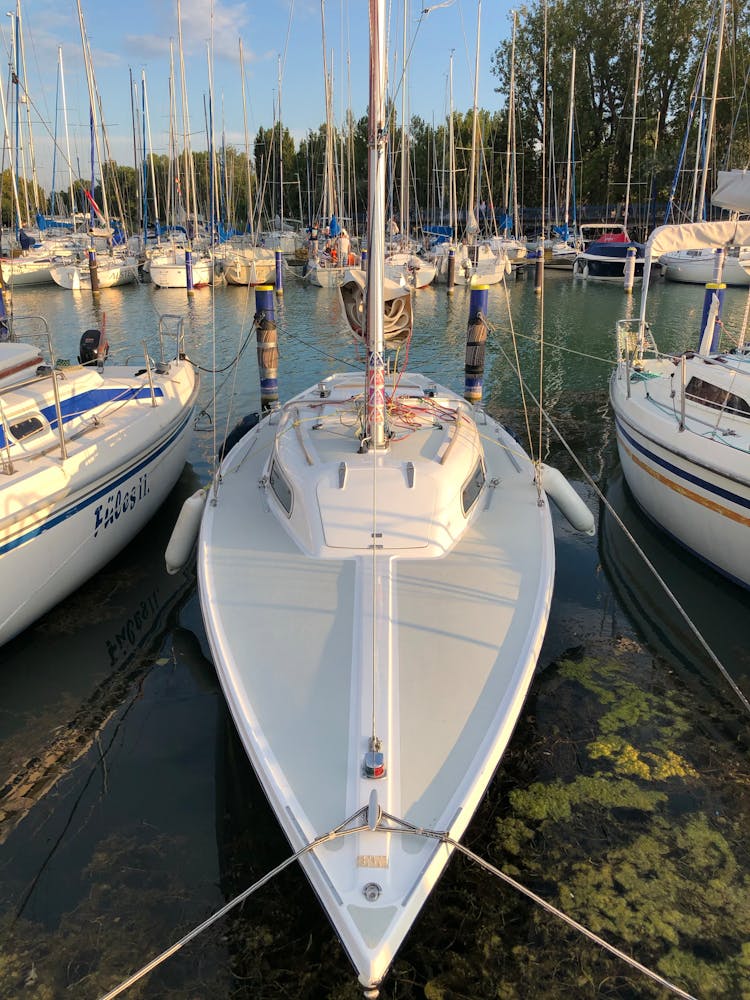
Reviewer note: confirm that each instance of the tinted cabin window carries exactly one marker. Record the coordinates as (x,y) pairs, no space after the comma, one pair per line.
(280,487)
(26,427)
(717,397)
(473,488)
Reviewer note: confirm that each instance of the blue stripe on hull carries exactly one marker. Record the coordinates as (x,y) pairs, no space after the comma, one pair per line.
(92,498)
(681,473)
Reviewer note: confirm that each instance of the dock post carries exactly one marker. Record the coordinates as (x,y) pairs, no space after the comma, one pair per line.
(629,270)
(93,271)
(268,347)
(476,340)
(189,272)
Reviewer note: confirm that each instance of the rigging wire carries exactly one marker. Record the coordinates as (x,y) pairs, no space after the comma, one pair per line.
(741,697)
(389,825)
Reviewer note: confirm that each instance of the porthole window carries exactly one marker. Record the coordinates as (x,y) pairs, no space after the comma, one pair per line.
(473,488)
(25,428)
(716,397)
(281,488)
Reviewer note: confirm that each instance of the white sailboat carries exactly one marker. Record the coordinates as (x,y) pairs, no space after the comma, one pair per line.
(476,262)
(375,566)
(403,264)
(683,422)
(111,271)
(88,453)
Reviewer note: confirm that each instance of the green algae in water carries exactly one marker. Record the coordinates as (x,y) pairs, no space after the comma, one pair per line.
(643,843)
(112,931)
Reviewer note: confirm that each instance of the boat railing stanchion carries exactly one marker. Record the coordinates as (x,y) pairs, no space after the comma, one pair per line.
(8,463)
(149,373)
(179,334)
(683,362)
(56,391)
(623,350)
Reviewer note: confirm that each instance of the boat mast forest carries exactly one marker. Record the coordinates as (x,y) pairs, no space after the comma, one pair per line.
(679,45)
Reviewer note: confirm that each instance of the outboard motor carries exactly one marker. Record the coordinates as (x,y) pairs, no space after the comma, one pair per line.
(93,348)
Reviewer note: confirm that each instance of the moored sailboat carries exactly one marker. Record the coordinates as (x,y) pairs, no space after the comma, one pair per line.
(87,454)
(682,421)
(375,566)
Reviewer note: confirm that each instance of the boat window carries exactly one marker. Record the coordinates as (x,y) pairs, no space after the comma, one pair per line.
(26,427)
(717,397)
(473,487)
(281,488)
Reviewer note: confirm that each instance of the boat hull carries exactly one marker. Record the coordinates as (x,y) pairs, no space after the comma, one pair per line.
(79,512)
(683,482)
(77,276)
(173,275)
(326,277)
(480,267)
(458,629)
(606,262)
(698,268)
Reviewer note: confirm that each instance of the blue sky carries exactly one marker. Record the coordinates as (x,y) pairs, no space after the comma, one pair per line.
(134,35)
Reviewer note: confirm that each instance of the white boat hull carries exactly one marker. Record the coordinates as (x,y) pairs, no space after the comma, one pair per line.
(457,623)
(484,268)
(326,276)
(695,485)
(240,272)
(109,275)
(174,274)
(20,273)
(696,267)
(408,269)
(62,519)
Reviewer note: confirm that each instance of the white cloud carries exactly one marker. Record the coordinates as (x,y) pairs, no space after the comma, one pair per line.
(201,21)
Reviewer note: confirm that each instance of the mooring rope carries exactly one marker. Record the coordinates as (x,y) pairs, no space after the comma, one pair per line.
(339,831)
(741,697)
(386,823)
(570,921)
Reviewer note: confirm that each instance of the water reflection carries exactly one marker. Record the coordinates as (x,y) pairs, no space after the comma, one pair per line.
(129,811)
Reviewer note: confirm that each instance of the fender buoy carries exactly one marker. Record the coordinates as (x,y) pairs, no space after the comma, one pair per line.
(557,487)
(185,532)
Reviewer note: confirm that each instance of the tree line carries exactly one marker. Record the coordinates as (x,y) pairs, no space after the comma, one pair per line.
(655,137)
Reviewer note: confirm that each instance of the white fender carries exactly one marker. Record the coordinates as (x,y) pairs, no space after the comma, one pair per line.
(557,488)
(185,532)
(585,270)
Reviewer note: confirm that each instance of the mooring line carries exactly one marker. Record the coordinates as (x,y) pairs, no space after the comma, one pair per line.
(383,822)
(740,695)
(571,922)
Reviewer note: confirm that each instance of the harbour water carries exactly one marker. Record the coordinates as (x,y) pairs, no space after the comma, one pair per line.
(128,812)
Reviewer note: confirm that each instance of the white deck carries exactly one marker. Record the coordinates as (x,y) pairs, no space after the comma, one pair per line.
(451,611)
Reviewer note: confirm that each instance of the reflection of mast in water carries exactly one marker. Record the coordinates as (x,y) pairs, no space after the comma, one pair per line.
(249,845)
(717,608)
(64,678)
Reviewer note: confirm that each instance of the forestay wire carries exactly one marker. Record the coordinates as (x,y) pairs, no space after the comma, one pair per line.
(385,823)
